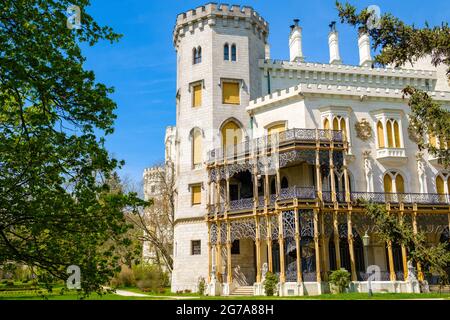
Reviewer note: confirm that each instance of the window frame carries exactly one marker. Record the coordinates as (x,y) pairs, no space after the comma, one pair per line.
(191,187)
(239,82)
(199,249)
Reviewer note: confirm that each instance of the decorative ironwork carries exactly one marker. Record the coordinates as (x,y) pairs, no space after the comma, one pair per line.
(298,193)
(241,204)
(308,156)
(432,223)
(274,227)
(291,272)
(306,220)
(223,233)
(382,197)
(288,224)
(213,233)
(242,229)
(328,223)
(262,228)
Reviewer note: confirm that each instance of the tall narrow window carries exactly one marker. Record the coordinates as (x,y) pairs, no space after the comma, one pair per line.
(344,127)
(226,52)
(231,93)
(196,194)
(440,189)
(233,53)
(399,184)
(197,53)
(197,96)
(335,124)
(390,135)
(380,134)
(397,134)
(326,124)
(196,148)
(387,183)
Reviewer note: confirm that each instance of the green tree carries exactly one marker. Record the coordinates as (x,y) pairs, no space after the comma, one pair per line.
(270,283)
(56,208)
(433,258)
(398,44)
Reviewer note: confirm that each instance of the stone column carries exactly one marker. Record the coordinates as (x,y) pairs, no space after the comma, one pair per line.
(336,239)
(404,258)
(258,250)
(420,276)
(317,165)
(316,245)
(325,262)
(229,269)
(392,276)
(269,242)
(281,244)
(219,253)
(297,247)
(350,245)
(209,253)
(332,177)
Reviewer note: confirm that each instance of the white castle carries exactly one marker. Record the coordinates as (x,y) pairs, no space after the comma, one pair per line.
(271,158)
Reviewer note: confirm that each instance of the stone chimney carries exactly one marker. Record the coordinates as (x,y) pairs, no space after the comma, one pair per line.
(295,42)
(333,43)
(365,57)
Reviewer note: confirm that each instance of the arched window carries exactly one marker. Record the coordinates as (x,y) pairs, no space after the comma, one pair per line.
(197,53)
(394,182)
(335,123)
(233,53)
(276,128)
(196,148)
(393,133)
(231,137)
(226,52)
(326,124)
(380,134)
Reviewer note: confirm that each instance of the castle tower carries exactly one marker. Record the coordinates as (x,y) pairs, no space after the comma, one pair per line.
(218,48)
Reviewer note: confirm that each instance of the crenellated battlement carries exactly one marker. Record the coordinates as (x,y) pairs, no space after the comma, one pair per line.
(210,13)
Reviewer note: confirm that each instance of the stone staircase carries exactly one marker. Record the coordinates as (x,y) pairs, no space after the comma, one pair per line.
(243,291)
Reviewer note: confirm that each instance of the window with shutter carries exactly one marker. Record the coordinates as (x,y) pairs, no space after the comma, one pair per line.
(231,93)
(196,195)
(197,96)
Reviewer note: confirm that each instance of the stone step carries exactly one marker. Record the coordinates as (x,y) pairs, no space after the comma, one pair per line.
(243,291)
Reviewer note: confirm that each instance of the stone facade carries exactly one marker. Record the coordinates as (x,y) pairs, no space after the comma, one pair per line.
(302,96)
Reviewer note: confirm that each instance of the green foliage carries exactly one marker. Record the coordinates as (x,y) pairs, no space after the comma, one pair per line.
(149,277)
(270,283)
(340,279)
(56,208)
(433,258)
(400,43)
(201,286)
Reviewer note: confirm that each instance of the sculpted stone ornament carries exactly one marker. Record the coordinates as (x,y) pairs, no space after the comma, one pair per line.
(264,270)
(363,130)
(213,273)
(368,171)
(421,173)
(411,272)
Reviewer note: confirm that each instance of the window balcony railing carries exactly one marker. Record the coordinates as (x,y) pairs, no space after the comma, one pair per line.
(392,154)
(266,142)
(310,193)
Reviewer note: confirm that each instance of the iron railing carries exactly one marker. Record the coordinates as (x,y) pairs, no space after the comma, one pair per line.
(269,141)
(309,193)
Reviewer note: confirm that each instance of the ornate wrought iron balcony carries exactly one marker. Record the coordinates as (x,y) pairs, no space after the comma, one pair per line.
(268,142)
(419,198)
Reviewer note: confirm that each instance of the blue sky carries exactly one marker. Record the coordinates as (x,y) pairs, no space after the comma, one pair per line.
(141,67)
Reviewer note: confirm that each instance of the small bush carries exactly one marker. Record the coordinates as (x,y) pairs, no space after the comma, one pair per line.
(201,286)
(149,277)
(340,279)
(124,278)
(270,283)
(187,291)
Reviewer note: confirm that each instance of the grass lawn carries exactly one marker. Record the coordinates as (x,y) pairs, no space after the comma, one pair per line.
(72,295)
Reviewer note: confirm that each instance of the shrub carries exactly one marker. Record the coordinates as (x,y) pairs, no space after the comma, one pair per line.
(187,291)
(340,279)
(201,286)
(270,284)
(149,277)
(124,278)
